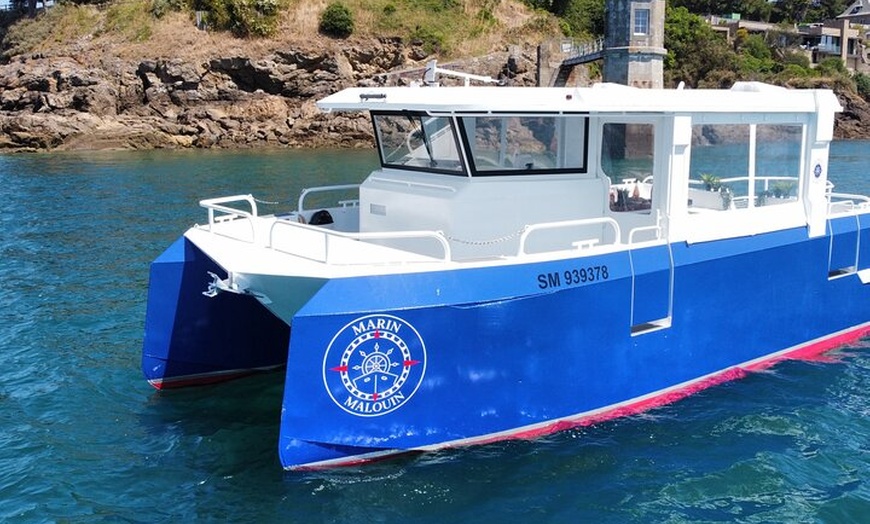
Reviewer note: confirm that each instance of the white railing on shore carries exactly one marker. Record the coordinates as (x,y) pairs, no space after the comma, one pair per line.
(576,49)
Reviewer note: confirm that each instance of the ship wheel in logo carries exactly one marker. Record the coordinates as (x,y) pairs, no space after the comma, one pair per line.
(377,369)
(378,372)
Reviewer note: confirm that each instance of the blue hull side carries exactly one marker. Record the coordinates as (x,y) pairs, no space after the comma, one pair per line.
(193,339)
(385,364)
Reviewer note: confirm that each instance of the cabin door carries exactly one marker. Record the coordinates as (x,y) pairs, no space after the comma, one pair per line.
(652,277)
(635,156)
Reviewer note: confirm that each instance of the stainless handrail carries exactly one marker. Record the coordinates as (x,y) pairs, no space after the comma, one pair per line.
(300,207)
(215,204)
(567,223)
(327,234)
(641,229)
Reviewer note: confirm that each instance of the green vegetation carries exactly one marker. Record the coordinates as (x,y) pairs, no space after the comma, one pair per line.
(63,23)
(700,57)
(336,20)
(579,18)
(440,26)
(161,7)
(244,18)
(862,83)
(696,54)
(131,19)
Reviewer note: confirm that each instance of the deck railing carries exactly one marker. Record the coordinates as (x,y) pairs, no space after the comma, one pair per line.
(529,230)
(320,244)
(325,189)
(227,213)
(311,242)
(846,202)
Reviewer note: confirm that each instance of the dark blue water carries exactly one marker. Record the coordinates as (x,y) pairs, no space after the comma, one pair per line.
(83,438)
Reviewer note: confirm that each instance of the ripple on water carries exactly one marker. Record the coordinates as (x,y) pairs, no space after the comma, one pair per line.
(84,439)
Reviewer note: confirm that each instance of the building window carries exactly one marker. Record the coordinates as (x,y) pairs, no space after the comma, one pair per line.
(641,21)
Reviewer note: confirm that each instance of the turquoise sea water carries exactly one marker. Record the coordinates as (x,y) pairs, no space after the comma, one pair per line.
(83,438)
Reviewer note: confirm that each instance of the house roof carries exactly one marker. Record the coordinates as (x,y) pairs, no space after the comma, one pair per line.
(857,9)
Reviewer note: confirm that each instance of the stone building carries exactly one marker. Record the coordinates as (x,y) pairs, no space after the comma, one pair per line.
(634,44)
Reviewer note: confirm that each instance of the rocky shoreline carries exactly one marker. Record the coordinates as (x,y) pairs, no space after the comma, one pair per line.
(57,102)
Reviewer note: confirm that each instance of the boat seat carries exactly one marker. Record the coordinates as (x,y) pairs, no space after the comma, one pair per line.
(321,218)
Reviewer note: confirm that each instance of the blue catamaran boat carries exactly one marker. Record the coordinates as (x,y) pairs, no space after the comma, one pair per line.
(523,261)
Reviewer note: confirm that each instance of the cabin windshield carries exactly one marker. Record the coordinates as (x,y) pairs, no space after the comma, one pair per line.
(520,144)
(417,141)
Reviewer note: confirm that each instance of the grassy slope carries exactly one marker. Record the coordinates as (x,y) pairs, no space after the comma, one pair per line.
(128,30)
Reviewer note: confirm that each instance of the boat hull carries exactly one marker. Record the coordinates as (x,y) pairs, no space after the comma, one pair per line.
(192,339)
(391,364)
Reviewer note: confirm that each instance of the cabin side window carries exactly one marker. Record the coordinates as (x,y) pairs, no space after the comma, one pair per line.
(777,163)
(505,145)
(417,141)
(744,166)
(627,158)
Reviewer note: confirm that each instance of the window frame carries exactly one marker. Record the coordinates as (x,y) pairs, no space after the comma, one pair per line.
(637,20)
(467,134)
(379,143)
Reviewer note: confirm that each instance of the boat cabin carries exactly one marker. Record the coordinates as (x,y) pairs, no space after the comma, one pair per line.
(506,171)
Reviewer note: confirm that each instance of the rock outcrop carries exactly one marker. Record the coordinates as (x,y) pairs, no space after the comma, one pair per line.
(50,102)
(854,121)
(64,102)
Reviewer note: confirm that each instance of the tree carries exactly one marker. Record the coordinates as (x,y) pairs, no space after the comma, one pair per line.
(791,11)
(821,10)
(756,58)
(862,83)
(582,17)
(585,17)
(695,51)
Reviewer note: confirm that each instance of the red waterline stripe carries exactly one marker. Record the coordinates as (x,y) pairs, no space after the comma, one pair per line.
(207,378)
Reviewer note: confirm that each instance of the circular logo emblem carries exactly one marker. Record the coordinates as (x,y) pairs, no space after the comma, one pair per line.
(374,365)
(817,170)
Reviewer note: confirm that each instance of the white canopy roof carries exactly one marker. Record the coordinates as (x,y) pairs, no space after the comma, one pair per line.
(601,98)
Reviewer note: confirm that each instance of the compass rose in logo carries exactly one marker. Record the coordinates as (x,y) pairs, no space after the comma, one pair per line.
(374,365)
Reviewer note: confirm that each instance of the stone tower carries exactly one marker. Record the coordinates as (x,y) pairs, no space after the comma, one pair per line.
(634,46)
